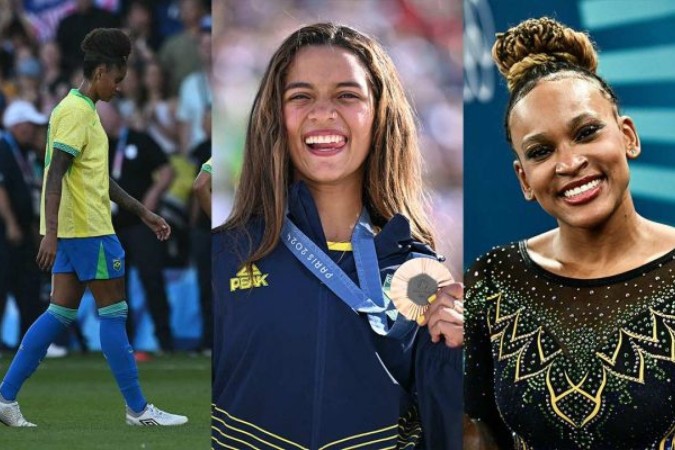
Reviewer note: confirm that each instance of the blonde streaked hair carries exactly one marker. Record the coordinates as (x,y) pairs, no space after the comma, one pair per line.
(545,49)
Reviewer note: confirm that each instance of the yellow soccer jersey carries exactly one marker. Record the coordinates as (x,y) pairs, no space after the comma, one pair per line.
(75,128)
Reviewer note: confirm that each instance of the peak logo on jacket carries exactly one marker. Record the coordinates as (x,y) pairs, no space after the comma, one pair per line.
(247,280)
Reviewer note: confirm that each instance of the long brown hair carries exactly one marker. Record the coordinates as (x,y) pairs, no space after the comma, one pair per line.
(393,174)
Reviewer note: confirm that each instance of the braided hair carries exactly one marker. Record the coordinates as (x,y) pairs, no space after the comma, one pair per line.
(545,49)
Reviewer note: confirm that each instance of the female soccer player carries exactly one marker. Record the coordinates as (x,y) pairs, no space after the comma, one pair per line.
(79,243)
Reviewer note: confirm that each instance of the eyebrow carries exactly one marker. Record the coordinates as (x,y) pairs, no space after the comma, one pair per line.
(571,125)
(576,121)
(306,85)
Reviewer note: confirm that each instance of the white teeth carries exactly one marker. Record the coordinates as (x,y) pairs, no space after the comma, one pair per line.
(324,139)
(581,189)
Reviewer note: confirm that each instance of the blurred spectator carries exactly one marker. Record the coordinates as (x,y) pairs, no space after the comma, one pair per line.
(55,85)
(74,27)
(50,58)
(15,40)
(19,273)
(140,167)
(15,28)
(194,101)
(179,55)
(159,110)
(139,23)
(128,105)
(29,77)
(195,96)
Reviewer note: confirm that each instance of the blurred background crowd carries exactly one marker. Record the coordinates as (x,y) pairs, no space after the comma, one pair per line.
(423,37)
(159,130)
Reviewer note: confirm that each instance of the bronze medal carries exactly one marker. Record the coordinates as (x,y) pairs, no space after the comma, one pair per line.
(414,282)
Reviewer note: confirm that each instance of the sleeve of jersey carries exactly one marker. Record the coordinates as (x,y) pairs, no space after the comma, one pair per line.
(438,382)
(206,167)
(479,390)
(71,133)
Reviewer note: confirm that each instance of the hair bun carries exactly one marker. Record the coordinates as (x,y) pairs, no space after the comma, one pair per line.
(541,41)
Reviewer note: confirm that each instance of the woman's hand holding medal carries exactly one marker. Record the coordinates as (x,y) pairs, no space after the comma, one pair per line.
(423,290)
(445,316)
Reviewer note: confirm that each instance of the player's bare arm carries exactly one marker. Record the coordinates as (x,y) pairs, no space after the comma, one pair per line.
(58,167)
(124,200)
(156,223)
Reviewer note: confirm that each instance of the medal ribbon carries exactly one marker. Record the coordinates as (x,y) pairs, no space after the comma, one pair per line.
(368,298)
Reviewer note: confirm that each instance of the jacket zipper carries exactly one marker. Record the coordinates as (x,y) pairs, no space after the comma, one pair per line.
(319,370)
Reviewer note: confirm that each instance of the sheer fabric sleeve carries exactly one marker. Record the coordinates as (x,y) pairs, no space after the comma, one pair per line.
(479,388)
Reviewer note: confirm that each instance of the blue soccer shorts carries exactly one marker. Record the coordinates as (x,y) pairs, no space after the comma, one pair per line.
(91,258)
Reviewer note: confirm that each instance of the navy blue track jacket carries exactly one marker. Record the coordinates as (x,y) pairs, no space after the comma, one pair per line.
(295,368)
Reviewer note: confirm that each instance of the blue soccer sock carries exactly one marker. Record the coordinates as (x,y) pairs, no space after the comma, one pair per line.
(120,355)
(34,347)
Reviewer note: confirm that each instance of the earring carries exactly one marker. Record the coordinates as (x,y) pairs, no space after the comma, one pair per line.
(528,195)
(634,151)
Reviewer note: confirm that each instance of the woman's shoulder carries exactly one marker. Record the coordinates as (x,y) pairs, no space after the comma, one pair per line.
(237,240)
(72,111)
(498,255)
(493,265)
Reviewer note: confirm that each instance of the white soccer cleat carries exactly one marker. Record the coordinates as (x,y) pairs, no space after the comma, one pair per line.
(56,351)
(10,415)
(154,416)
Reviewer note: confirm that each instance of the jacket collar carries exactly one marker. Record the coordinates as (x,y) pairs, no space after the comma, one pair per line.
(394,237)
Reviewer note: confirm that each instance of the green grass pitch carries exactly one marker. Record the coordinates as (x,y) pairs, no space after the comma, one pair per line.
(76,405)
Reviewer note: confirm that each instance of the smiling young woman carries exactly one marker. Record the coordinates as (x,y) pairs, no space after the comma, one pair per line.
(328,112)
(330,190)
(568,337)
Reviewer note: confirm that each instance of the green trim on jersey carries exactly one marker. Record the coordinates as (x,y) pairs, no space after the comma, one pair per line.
(102,265)
(66,148)
(81,95)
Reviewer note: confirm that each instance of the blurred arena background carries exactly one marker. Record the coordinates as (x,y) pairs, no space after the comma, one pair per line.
(424,39)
